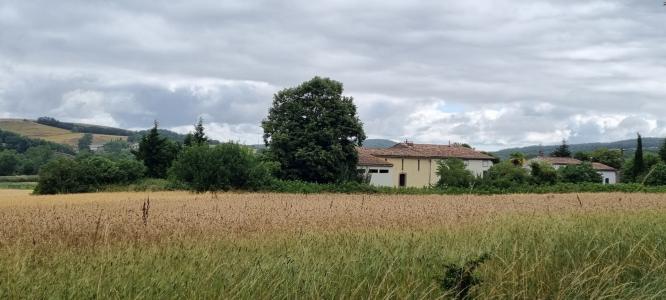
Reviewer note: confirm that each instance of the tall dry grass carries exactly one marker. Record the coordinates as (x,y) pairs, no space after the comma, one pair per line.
(182,245)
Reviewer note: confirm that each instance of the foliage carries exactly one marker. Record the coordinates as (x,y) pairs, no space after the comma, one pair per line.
(662,151)
(506,174)
(220,168)
(517,159)
(8,163)
(657,175)
(583,156)
(612,158)
(452,173)
(562,150)
(85,141)
(198,137)
(86,174)
(312,131)
(460,279)
(579,173)
(157,153)
(543,172)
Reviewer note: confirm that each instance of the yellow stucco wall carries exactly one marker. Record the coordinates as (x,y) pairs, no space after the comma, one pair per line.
(423,172)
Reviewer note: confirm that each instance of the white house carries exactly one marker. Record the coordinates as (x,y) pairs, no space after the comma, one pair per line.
(609,174)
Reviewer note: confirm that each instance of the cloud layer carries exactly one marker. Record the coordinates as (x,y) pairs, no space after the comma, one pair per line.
(491,73)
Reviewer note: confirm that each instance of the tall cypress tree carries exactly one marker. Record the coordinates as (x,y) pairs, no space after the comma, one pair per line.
(639,163)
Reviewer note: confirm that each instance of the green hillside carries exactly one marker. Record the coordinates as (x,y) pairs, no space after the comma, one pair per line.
(629,146)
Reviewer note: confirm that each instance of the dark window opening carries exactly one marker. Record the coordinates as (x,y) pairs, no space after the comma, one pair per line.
(374,171)
(402,182)
(383,171)
(418,165)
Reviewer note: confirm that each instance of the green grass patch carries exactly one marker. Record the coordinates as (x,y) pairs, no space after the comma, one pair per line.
(616,256)
(18,185)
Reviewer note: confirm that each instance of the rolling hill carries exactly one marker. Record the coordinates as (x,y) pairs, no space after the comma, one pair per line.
(629,146)
(32,129)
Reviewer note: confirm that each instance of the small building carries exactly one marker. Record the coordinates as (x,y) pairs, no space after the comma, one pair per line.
(608,173)
(415,165)
(377,169)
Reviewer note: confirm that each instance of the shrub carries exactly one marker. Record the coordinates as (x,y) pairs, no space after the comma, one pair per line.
(657,176)
(506,174)
(579,173)
(543,173)
(8,163)
(452,173)
(224,167)
(86,174)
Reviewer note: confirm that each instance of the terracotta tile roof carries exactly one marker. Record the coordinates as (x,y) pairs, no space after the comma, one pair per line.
(572,161)
(601,167)
(430,151)
(365,158)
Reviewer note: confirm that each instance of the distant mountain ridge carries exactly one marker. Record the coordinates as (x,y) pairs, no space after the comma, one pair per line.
(650,144)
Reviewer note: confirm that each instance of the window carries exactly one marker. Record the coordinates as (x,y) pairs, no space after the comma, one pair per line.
(361,171)
(383,171)
(607,180)
(418,165)
(374,171)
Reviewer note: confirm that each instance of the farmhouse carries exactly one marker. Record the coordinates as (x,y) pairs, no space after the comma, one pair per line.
(609,174)
(415,165)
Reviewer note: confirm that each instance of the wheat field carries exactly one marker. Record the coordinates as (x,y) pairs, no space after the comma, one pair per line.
(254,245)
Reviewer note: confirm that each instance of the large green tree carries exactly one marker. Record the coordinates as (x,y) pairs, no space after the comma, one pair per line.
(156,152)
(312,131)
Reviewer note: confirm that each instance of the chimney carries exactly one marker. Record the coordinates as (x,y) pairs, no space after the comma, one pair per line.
(409,143)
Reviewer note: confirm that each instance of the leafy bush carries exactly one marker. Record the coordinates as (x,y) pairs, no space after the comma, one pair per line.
(221,168)
(657,176)
(579,173)
(452,173)
(506,174)
(86,174)
(543,173)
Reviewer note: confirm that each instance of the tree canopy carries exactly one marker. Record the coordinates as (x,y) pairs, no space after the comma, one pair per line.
(312,131)
(156,152)
(562,150)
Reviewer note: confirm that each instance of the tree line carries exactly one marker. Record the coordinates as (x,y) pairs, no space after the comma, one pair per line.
(311,133)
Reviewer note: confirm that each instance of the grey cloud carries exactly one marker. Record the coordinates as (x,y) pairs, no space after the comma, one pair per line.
(544,61)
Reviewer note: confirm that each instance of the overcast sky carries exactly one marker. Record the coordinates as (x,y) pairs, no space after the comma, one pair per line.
(493,73)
